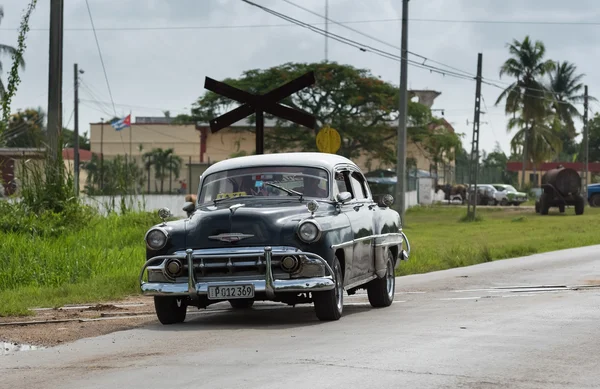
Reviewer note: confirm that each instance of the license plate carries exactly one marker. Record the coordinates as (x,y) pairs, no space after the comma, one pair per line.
(229,292)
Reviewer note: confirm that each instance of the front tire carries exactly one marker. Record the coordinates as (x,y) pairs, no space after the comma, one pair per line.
(329,305)
(381,290)
(170,310)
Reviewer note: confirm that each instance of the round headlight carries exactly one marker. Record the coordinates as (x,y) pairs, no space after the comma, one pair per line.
(156,239)
(309,231)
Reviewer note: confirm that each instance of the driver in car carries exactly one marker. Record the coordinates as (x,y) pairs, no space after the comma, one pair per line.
(312,189)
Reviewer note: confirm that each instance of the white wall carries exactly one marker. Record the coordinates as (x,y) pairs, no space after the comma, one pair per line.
(140,203)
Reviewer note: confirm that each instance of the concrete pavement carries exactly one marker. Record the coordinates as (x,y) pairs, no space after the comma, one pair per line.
(529,322)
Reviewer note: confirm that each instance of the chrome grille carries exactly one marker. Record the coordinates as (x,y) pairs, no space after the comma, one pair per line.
(223,268)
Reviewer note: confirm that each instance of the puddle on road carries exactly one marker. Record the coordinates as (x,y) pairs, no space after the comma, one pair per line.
(7,348)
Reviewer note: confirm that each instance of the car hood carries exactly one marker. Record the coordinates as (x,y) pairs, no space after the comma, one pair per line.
(265,223)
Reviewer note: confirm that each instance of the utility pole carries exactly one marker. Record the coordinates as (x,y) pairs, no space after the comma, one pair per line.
(474,162)
(402,109)
(76,73)
(55,77)
(586,151)
(102,154)
(326,29)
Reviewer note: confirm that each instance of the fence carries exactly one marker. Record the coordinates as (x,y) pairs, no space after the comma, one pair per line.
(485,175)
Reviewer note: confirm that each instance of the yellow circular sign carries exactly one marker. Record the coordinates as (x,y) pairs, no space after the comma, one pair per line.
(328,140)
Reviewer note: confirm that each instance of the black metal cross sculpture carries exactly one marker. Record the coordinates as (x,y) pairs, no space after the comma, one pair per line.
(259,104)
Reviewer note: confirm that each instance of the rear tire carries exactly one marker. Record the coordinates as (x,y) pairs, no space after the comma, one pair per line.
(329,305)
(381,290)
(241,303)
(544,206)
(579,205)
(170,310)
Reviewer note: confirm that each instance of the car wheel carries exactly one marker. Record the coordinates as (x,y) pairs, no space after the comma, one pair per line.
(544,206)
(595,200)
(504,202)
(329,305)
(170,310)
(241,303)
(381,290)
(579,205)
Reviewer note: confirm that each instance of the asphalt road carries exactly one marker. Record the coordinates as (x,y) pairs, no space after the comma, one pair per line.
(450,329)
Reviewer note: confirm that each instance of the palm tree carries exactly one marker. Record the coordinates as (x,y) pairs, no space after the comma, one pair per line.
(527,95)
(7,50)
(164,162)
(543,139)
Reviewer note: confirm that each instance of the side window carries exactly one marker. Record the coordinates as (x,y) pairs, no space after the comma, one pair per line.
(358,188)
(340,182)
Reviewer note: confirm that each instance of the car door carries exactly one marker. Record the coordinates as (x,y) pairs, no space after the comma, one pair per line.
(361,220)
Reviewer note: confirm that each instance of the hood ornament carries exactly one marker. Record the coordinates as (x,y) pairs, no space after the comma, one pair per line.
(230,237)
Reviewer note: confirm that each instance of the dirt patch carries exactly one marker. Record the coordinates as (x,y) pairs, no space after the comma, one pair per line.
(53,326)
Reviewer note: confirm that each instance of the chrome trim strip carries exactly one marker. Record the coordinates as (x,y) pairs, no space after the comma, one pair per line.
(191,276)
(360,282)
(269,287)
(351,242)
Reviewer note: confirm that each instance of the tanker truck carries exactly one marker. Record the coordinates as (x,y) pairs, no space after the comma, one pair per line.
(561,187)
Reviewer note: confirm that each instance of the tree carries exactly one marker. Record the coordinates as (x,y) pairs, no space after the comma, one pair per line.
(527,96)
(26,129)
(8,51)
(164,162)
(120,176)
(594,138)
(68,141)
(497,160)
(441,145)
(360,106)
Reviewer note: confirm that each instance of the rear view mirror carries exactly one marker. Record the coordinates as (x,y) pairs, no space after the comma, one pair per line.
(189,207)
(344,197)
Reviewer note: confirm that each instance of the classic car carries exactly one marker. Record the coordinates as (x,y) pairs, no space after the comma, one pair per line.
(507,195)
(289,227)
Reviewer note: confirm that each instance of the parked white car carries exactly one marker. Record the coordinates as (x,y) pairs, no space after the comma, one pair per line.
(508,195)
(487,194)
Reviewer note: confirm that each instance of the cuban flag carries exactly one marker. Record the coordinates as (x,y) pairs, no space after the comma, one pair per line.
(122,123)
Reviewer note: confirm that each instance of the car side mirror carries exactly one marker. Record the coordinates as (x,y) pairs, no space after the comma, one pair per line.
(189,207)
(343,197)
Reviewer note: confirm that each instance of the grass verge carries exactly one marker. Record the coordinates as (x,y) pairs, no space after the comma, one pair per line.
(97,262)
(441,239)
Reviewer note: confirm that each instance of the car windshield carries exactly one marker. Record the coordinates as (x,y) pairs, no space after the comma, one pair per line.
(264,181)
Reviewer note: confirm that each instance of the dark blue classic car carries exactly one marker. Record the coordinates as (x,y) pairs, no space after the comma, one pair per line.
(290,227)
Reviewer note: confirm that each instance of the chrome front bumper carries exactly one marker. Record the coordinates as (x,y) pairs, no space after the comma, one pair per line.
(404,254)
(267,285)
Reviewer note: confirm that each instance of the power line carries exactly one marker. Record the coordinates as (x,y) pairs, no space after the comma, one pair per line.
(366,21)
(468,74)
(139,106)
(360,46)
(100,53)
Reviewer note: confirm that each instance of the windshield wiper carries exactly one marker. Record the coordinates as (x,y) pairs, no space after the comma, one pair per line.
(288,191)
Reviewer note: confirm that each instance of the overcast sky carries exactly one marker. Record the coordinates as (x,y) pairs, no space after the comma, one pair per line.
(152,65)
